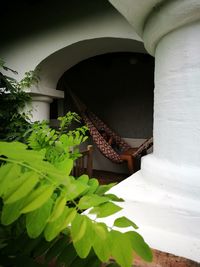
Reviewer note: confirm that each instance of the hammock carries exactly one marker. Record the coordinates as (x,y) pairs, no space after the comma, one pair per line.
(94,125)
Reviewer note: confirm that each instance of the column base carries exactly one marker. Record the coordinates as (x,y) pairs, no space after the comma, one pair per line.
(168,221)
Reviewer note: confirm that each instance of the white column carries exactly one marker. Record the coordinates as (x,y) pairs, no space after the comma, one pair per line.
(40,107)
(164,197)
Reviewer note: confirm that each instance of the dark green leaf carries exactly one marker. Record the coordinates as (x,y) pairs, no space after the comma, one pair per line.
(57,248)
(11,212)
(67,255)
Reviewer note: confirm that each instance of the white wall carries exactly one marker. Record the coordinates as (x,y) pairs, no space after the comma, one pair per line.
(26,53)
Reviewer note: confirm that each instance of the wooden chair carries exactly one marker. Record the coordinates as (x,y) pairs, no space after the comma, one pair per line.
(133,154)
(84,164)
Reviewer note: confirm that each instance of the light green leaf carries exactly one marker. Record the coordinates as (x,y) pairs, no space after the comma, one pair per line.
(124,222)
(140,246)
(92,200)
(54,228)
(78,227)
(93,185)
(9,173)
(58,208)
(105,209)
(114,198)
(74,189)
(45,167)
(83,179)
(18,151)
(66,165)
(37,198)
(21,187)
(101,244)
(84,244)
(104,188)
(37,219)
(121,248)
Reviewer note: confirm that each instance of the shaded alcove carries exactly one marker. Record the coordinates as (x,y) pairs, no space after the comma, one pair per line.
(118,87)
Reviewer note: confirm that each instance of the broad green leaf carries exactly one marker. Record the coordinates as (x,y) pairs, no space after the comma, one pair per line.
(66,165)
(54,228)
(92,200)
(83,245)
(45,167)
(21,187)
(11,212)
(10,172)
(18,151)
(93,185)
(37,198)
(105,209)
(124,222)
(69,218)
(74,189)
(76,225)
(58,208)
(37,219)
(5,170)
(114,198)
(121,248)
(101,244)
(104,188)
(83,179)
(140,246)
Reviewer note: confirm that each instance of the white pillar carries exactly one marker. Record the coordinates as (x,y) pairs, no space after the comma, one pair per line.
(40,109)
(164,197)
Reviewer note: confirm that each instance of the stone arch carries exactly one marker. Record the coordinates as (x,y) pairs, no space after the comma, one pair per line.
(53,66)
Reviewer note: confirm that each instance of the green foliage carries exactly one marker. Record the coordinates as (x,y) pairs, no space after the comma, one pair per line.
(14,122)
(51,205)
(44,210)
(60,145)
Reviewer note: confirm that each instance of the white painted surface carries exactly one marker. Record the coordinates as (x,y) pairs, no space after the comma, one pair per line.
(164,197)
(27,53)
(168,221)
(167,18)
(135,11)
(40,108)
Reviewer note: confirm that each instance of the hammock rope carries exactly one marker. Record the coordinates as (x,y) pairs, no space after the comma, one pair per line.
(95,124)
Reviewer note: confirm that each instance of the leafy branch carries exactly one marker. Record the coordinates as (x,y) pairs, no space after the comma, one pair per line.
(42,192)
